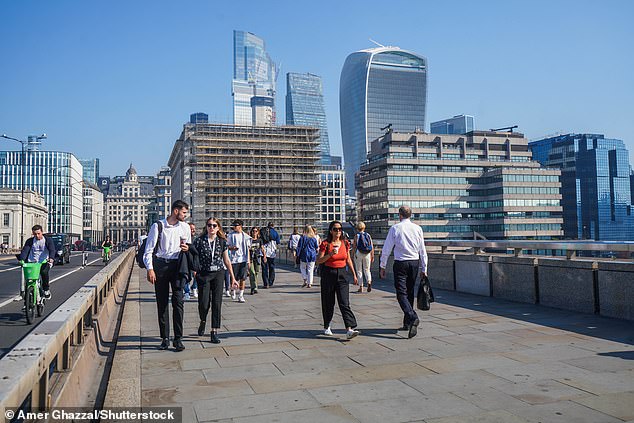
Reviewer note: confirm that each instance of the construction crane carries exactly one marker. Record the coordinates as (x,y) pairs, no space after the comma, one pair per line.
(505,129)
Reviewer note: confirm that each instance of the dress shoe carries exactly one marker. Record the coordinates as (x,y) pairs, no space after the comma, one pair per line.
(178,345)
(369,287)
(201,328)
(214,338)
(413,328)
(164,344)
(404,327)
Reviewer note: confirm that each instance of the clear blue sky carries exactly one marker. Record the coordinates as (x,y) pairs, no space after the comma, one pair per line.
(117,79)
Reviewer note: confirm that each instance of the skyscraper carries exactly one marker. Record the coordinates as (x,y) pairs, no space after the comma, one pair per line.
(91,170)
(254,80)
(305,107)
(595,184)
(457,125)
(379,87)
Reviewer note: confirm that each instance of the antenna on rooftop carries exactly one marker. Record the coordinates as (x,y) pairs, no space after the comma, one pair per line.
(378,44)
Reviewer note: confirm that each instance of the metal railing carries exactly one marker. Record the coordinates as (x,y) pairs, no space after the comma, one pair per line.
(32,369)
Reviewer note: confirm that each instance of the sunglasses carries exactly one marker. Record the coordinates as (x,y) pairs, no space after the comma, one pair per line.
(212,225)
(337,229)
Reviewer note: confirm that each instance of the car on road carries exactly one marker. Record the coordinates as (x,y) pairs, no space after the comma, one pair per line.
(62,245)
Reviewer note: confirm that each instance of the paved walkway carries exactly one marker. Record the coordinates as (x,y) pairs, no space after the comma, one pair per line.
(475,359)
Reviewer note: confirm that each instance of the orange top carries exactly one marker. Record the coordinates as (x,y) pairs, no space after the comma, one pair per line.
(339,260)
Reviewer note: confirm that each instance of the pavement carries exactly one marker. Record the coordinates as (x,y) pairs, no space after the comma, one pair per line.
(475,359)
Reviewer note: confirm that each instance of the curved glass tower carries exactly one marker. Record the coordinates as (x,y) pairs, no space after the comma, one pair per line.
(379,86)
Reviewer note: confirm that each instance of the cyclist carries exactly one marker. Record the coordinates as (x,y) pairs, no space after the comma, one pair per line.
(108,244)
(40,249)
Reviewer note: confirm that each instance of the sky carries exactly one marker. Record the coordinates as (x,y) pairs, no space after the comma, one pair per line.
(118,79)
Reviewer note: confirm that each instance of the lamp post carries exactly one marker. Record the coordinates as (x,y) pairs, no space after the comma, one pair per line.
(31,139)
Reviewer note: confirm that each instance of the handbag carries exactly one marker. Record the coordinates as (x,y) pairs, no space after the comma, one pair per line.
(425,295)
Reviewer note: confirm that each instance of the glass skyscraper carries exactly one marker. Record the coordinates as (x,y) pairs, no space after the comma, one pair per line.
(305,107)
(379,87)
(91,170)
(457,125)
(595,184)
(254,80)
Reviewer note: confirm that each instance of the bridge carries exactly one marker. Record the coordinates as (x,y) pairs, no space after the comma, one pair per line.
(511,338)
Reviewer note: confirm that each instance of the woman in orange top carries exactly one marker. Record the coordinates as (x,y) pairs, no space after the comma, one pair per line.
(334,254)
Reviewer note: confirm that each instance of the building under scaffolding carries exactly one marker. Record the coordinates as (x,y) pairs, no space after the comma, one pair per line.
(257,174)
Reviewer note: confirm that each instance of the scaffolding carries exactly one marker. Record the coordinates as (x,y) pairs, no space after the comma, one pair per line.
(256,174)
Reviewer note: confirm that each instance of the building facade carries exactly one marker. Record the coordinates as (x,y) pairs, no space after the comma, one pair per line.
(126,209)
(483,184)
(596,184)
(379,87)
(35,213)
(305,107)
(90,170)
(333,194)
(457,125)
(163,193)
(198,118)
(93,214)
(57,176)
(257,174)
(254,81)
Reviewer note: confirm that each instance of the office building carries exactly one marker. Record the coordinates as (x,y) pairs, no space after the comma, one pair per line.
(163,192)
(483,184)
(35,213)
(305,107)
(333,194)
(93,214)
(596,184)
(91,170)
(336,161)
(198,118)
(379,87)
(126,208)
(257,174)
(55,175)
(457,125)
(254,81)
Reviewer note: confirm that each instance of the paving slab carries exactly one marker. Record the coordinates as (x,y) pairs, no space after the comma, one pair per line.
(476,359)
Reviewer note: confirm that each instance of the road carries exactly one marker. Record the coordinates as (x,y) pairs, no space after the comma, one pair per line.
(65,280)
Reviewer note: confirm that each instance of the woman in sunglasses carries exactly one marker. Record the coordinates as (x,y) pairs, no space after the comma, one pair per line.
(214,258)
(334,254)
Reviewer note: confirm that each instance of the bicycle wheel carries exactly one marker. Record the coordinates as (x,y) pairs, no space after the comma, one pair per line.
(30,306)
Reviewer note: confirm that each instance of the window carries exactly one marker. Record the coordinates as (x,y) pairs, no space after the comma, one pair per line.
(5,219)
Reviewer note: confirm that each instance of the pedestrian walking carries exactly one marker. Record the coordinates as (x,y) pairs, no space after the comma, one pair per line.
(293,240)
(163,271)
(256,253)
(213,257)
(268,261)
(307,248)
(334,254)
(239,245)
(363,253)
(410,260)
(191,291)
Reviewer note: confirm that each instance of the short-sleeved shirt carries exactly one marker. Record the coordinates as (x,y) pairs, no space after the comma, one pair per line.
(243,242)
(256,248)
(339,260)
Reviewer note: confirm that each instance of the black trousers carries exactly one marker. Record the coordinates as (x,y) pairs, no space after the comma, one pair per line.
(167,276)
(44,275)
(268,271)
(405,276)
(210,287)
(334,283)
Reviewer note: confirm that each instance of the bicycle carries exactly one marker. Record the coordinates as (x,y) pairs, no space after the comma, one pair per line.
(33,299)
(106,255)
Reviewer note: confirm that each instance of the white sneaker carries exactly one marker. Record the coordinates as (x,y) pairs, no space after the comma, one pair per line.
(47,295)
(352,333)
(187,297)
(227,294)
(233,295)
(328,332)
(195,292)
(241,299)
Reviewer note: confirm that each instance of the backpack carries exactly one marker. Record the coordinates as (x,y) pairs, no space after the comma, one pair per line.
(265,234)
(364,243)
(141,251)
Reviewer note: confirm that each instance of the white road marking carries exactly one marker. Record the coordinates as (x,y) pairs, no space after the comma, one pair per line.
(12,268)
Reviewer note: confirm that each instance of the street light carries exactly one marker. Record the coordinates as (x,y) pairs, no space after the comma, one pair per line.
(32,139)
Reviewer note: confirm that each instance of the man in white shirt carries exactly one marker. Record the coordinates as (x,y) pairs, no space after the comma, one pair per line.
(268,263)
(239,244)
(162,270)
(410,259)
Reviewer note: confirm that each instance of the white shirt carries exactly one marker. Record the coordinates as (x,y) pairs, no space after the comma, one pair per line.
(271,248)
(406,238)
(243,242)
(170,245)
(39,252)
(294,240)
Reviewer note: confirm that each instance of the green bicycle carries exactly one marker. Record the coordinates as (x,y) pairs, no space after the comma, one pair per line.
(33,299)
(106,255)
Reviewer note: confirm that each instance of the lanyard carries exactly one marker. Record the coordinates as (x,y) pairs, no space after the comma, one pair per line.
(213,249)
